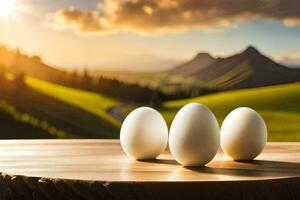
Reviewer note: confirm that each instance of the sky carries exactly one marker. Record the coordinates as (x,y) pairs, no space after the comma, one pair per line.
(148,34)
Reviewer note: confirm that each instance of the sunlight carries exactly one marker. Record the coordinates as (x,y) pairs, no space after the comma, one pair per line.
(7,8)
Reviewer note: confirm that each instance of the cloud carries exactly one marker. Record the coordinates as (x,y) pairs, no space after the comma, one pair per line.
(292,59)
(174,15)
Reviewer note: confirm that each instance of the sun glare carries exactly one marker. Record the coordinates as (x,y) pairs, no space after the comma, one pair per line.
(7,8)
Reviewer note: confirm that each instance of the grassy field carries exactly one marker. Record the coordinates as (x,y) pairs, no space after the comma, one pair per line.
(78,113)
(18,125)
(279,106)
(91,102)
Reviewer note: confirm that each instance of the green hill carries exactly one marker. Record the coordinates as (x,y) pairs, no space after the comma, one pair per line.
(279,105)
(16,125)
(78,113)
(91,102)
(84,114)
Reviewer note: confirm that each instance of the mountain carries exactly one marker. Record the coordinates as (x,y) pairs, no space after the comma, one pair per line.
(247,69)
(199,62)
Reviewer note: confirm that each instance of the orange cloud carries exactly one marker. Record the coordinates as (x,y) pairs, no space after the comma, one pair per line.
(162,15)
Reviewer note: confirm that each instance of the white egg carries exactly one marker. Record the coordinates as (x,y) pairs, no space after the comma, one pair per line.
(194,135)
(144,134)
(243,134)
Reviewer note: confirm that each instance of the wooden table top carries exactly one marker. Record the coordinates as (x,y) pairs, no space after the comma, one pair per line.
(104,160)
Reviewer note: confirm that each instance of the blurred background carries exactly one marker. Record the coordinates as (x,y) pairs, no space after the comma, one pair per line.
(75,69)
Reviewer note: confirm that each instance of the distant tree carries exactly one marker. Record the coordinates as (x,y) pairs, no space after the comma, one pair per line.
(86,80)
(16,61)
(155,99)
(75,77)
(2,71)
(36,59)
(2,75)
(19,80)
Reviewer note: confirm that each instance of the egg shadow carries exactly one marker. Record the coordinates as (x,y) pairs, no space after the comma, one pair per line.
(252,168)
(160,161)
(268,164)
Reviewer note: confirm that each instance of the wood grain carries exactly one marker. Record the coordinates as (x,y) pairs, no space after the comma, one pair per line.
(104,160)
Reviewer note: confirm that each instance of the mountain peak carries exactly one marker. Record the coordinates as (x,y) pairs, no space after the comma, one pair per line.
(199,62)
(202,55)
(250,50)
